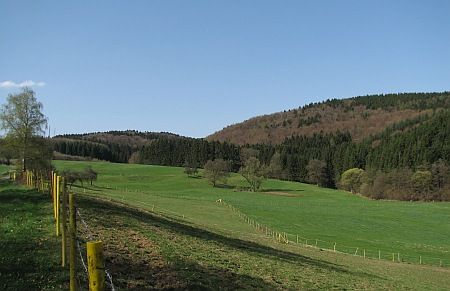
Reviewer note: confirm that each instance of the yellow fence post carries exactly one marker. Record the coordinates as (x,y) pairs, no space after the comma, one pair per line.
(63,223)
(54,194)
(58,178)
(96,266)
(72,233)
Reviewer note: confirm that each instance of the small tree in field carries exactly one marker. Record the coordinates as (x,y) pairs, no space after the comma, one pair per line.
(190,169)
(90,174)
(215,171)
(254,173)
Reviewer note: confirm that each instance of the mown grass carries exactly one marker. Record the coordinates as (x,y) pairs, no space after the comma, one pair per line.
(411,229)
(29,250)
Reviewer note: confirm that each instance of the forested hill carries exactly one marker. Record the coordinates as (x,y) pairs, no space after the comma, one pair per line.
(360,116)
(114,146)
(143,147)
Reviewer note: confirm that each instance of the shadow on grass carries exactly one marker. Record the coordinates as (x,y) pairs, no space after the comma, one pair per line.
(106,208)
(226,186)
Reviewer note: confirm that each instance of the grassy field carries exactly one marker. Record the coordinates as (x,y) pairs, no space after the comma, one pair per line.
(209,248)
(29,257)
(354,223)
(3,169)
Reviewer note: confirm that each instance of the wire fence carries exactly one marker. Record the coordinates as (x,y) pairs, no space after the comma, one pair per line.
(53,184)
(295,239)
(90,236)
(287,238)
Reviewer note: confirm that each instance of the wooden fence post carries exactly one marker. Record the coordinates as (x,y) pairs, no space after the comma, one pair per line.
(96,266)
(72,231)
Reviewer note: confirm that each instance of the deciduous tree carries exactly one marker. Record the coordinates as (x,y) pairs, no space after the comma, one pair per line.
(316,172)
(254,173)
(352,179)
(22,118)
(215,171)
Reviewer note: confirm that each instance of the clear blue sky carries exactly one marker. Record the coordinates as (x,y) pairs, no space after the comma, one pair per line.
(193,67)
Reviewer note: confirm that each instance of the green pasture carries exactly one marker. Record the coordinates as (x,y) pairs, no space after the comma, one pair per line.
(29,249)
(4,169)
(405,230)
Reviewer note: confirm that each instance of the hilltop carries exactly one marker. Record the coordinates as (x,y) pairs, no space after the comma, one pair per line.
(361,116)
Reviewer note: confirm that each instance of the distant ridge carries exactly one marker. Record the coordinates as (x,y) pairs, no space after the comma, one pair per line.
(361,116)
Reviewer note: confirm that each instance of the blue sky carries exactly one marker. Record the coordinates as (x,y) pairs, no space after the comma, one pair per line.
(194,67)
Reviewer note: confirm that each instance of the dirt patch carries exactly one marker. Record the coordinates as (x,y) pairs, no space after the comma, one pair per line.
(133,259)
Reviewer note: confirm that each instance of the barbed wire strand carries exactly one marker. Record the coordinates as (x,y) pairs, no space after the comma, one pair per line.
(82,259)
(110,279)
(90,236)
(89,232)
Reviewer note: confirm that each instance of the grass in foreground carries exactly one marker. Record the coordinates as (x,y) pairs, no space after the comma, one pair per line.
(29,250)
(412,229)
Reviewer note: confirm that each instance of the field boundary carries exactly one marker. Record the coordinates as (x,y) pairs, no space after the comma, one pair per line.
(283,237)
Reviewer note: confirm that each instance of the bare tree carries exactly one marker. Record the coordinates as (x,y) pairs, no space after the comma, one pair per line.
(217,170)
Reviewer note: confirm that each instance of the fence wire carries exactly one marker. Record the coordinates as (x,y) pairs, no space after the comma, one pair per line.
(90,236)
(334,247)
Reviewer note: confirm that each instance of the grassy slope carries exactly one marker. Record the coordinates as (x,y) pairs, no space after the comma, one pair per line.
(411,229)
(28,246)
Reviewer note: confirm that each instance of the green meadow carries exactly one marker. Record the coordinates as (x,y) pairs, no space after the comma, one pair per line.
(3,169)
(406,230)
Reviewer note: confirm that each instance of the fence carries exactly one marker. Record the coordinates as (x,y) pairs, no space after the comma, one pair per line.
(283,237)
(38,182)
(295,239)
(79,253)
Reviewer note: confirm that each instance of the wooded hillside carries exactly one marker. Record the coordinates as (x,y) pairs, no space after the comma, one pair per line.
(360,116)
